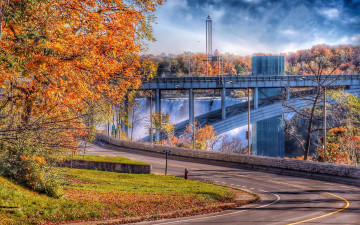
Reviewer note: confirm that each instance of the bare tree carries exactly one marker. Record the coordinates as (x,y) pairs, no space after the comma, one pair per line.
(321,63)
(232,145)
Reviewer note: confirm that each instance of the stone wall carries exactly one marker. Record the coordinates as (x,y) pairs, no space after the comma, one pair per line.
(253,161)
(108,166)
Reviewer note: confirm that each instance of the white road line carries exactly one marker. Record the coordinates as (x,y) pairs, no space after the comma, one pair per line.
(262,206)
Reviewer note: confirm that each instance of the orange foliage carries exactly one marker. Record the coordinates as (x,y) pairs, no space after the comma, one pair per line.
(57,55)
(341,147)
(337,130)
(202,135)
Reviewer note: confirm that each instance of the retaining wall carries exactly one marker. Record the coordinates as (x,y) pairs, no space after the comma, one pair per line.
(108,166)
(279,163)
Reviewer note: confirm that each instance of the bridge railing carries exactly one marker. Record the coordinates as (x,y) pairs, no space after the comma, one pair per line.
(250,81)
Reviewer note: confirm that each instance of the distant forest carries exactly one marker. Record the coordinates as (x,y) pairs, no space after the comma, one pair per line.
(342,59)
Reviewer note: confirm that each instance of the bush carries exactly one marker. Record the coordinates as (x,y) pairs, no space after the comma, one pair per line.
(29,169)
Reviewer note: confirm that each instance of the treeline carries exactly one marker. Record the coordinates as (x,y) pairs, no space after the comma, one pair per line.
(343,59)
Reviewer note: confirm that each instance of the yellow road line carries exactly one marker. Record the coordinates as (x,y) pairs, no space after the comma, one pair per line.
(318,217)
(291,185)
(229,173)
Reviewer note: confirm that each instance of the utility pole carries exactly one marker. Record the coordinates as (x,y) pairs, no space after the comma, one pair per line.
(194,123)
(151,120)
(248,135)
(324,124)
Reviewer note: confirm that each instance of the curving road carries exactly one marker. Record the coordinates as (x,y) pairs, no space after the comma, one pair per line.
(284,199)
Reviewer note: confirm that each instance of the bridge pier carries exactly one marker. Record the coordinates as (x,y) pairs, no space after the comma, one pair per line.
(223,103)
(157,110)
(287,90)
(126,105)
(191,107)
(256,97)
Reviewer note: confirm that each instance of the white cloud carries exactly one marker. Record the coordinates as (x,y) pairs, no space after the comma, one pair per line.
(289,32)
(331,14)
(245,31)
(355,39)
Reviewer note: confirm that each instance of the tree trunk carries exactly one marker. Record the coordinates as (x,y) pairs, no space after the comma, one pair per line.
(309,130)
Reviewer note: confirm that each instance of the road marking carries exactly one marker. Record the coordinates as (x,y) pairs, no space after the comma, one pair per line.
(318,217)
(227,214)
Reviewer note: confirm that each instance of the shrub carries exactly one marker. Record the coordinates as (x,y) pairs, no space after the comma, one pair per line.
(27,166)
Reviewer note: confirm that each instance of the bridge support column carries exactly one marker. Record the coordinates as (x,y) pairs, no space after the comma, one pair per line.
(157,110)
(256,97)
(126,105)
(223,103)
(287,91)
(191,107)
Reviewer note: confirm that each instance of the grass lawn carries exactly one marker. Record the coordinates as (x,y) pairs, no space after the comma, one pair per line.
(108,159)
(92,195)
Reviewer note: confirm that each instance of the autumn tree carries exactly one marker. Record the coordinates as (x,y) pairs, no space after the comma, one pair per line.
(343,146)
(204,136)
(163,126)
(56,59)
(344,137)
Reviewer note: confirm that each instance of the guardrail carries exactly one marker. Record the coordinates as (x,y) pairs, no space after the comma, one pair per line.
(281,165)
(179,83)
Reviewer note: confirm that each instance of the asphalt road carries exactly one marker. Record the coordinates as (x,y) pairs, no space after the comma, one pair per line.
(284,199)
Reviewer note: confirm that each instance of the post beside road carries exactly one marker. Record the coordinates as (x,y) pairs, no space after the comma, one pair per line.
(166,157)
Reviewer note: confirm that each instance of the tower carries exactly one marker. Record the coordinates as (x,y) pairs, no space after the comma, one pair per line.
(208,36)
(268,137)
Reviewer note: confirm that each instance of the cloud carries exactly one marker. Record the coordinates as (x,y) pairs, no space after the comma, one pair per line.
(330,13)
(249,26)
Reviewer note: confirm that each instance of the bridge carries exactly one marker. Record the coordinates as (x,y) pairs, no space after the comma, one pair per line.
(237,114)
(219,82)
(241,82)
(231,117)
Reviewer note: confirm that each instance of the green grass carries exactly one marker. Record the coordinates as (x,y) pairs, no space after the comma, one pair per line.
(90,195)
(108,159)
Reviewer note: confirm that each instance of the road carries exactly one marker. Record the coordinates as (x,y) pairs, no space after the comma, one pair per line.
(284,199)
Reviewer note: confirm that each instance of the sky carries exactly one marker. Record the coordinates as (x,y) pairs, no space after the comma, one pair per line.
(245,27)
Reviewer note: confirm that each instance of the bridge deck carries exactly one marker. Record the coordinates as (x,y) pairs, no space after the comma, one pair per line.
(232,82)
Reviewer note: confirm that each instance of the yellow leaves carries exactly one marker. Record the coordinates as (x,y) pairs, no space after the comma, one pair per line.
(68,53)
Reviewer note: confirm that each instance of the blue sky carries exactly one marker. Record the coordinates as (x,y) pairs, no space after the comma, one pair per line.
(245,27)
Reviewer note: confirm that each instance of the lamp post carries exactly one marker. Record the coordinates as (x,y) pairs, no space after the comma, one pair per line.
(151,120)
(248,131)
(324,113)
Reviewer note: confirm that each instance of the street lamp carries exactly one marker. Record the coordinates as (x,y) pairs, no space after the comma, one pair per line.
(324,113)
(248,94)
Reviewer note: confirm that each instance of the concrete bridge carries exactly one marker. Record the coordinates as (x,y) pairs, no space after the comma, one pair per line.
(237,114)
(240,82)
(270,86)
(231,117)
